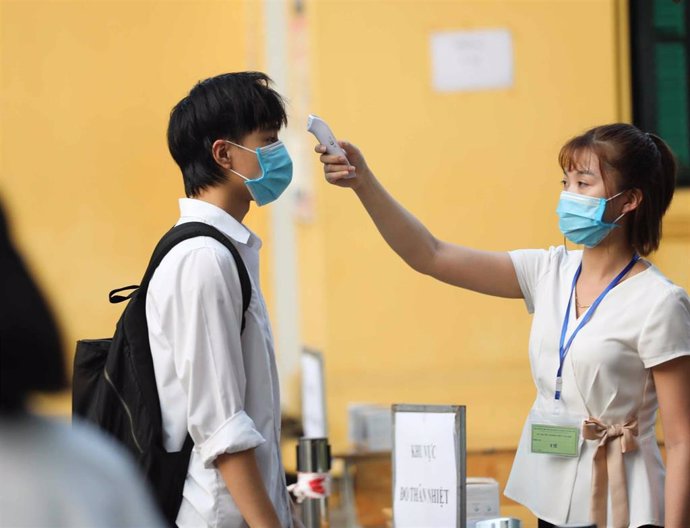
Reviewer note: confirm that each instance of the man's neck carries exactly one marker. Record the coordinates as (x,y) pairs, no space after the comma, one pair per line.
(226,201)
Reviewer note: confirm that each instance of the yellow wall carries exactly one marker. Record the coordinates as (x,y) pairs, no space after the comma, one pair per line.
(478,168)
(87,87)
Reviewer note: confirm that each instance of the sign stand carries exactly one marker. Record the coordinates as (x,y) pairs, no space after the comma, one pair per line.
(429,466)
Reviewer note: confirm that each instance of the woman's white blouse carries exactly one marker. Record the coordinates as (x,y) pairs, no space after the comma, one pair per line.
(641,323)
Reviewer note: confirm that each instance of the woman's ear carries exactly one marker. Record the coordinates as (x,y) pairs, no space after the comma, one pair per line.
(220,150)
(633,201)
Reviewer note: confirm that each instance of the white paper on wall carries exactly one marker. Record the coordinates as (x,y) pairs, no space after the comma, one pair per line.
(472,60)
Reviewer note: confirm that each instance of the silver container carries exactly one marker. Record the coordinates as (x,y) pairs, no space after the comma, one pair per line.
(314,456)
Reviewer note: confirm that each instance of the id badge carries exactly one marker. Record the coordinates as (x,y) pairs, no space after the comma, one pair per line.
(555,433)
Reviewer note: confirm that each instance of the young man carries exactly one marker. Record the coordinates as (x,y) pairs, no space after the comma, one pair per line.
(215,380)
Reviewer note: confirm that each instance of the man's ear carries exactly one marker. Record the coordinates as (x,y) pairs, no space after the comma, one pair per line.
(633,201)
(220,150)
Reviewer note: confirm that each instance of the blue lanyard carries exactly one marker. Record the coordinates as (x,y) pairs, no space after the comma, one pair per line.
(563,350)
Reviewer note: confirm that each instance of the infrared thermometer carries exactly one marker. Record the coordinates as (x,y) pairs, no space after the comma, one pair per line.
(323,133)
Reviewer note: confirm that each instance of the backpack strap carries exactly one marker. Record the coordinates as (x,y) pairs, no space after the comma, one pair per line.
(114,299)
(192,230)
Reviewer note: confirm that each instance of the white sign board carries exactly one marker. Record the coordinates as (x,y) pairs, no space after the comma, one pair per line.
(429,466)
(313,396)
(472,60)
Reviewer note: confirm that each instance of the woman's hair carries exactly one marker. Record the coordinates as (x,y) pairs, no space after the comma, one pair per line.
(631,159)
(30,350)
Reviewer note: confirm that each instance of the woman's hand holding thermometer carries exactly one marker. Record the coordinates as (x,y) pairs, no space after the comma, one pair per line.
(322,131)
(343,163)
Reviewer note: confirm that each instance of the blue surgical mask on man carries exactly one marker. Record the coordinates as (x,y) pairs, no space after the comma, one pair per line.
(581,218)
(276,172)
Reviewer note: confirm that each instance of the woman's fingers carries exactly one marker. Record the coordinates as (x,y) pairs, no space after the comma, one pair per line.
(328,158)
(329,167)
(336,168)
(334,177)
(331,159)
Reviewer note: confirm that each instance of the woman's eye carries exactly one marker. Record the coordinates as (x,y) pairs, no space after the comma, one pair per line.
(581,184)
(563,183)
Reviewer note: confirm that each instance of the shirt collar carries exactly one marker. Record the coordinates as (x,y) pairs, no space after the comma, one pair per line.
(207,212)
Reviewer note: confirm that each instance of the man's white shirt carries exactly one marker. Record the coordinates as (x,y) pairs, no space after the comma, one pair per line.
(214,381)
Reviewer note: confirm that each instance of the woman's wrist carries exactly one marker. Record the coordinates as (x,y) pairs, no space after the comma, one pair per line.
(365,184)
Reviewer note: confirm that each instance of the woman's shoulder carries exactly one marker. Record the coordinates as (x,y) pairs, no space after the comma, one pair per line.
(536,267)
(562,256)
(656,298)
(554,256)
(665,306)
(658,285)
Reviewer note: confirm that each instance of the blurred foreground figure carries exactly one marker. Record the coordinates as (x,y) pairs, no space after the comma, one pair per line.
(53,474)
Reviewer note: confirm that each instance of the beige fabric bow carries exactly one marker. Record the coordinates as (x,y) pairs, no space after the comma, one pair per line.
(610,461)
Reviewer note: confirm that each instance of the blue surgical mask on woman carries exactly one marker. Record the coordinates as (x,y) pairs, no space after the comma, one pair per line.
(276,172)
(581,218)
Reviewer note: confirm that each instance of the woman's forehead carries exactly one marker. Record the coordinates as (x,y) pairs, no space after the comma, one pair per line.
(583,161)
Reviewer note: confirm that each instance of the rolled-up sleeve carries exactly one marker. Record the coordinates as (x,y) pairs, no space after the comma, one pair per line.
(238,432)
(204,313)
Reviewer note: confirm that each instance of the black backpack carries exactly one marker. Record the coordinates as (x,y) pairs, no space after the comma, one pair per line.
(114,384)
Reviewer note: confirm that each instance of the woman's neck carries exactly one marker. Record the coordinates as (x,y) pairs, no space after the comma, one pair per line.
(607,259)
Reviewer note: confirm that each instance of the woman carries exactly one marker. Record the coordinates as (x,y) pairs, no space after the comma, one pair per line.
(610,340)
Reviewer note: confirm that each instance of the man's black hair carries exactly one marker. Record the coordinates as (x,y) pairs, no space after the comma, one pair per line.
(228,106)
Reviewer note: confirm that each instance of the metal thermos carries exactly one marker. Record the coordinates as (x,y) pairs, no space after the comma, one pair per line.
(314,456)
